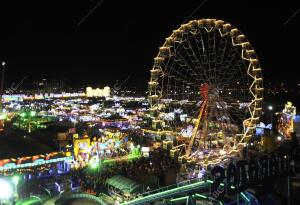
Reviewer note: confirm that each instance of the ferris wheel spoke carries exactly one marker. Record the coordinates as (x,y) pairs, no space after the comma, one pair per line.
(193,55)
(174,70)
(212,55)
(237,114)
(174,75)
(221,53)
(223,120)
(225,109)
(190,75)
(200,65)
(195,75)
(204,59)
(235,74)
(184,60)
(174,91)
(231,73)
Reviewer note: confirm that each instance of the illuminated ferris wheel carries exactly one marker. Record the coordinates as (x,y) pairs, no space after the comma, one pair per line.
(206,88)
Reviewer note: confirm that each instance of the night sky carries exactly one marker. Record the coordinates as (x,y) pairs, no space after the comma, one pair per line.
(120,38)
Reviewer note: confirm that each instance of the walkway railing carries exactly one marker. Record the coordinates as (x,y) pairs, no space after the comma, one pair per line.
(71,196)
(186,187)
(186,182)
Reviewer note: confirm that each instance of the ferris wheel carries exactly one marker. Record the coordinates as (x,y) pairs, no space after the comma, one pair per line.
(206,88)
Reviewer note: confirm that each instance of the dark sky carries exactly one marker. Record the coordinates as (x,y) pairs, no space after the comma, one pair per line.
(42,39)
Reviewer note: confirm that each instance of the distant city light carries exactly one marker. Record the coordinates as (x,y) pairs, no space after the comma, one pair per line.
(3,63)
(270,107)
(279,138)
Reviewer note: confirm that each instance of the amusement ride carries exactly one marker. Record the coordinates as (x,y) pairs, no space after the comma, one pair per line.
(205,91)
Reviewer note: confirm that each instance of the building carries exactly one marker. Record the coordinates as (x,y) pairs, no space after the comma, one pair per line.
(289,122)
(105,92)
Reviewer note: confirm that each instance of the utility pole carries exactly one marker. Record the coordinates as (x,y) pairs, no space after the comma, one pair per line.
(270,108)
(2,84)
(288,182)
(1,93)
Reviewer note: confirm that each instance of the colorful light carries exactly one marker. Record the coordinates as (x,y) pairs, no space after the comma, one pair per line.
(94,162)
(15,179)
(3,116)
(6,189)
(32,113)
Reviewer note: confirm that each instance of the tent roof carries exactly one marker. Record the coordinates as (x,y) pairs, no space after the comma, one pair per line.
(122,183)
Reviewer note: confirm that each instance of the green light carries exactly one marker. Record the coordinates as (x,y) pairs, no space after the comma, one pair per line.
(125,158)
(210,181)
(232,187)
(15,179)
(23,114)
(201,196)
(94,162)
(32,113)
(3,116)
(30,201)
(179,199)
(245,197)
(94,166)
(166,192)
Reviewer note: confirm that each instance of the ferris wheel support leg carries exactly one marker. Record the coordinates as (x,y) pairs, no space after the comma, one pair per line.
(189,148)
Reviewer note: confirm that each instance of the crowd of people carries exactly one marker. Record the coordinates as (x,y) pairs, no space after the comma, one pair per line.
(151,172)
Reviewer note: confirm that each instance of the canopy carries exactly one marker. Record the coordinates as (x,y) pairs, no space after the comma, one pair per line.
(123,184)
